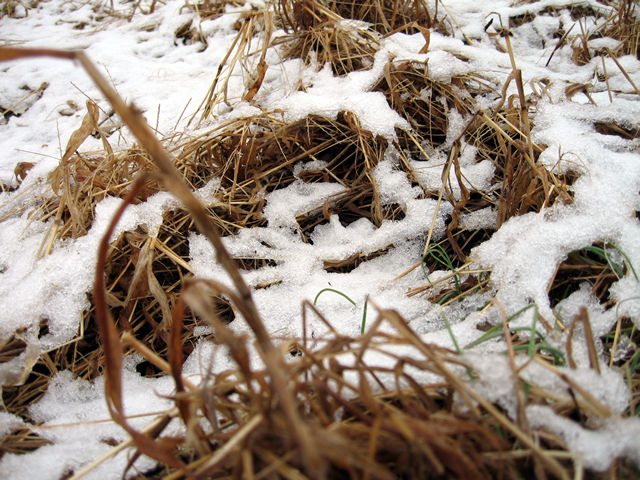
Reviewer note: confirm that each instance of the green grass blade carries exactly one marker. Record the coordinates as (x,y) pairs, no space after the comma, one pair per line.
(624,255)
(532,338)
(455,343)
(364,315)
(315,300)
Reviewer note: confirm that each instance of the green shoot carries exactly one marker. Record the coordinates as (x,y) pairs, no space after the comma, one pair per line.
(558,355)
(532,338)
(601,252)
(447,297)
(531,348)
(438,253)
(455,343)
(496,331)
(364,315)
(448,325)
(315,300)
(366,302)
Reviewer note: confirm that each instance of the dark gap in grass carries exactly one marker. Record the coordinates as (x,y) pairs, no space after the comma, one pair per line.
(67,473)
(516,21)
(249,264)
(188,35)
(20,441)
(349,264)
(579,11)
(18,398)
(84,358)
(31,96)
(393,211)
(149,370)
(576,12)
(587,265)
(350,207)
(112,442)
(43,327)
(4,188)
(625,346)
(12,348)
(612,128)
(484,326)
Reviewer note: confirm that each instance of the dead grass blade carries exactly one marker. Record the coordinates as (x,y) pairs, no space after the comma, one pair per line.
(241,55)
(583,317)
(112,346)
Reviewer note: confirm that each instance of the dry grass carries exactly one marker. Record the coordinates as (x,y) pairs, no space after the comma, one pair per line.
(80,183)
(321,35)
(317,410)
(623,25)
(22,440)
(426,103)
(409,16)
(243,56)
(257,155)
(501,135)
(212,9)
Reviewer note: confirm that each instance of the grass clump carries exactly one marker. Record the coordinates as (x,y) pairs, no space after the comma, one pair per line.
(623,24)
(257,155)
(408,16)
(320,35)
(21,440)
(426,103)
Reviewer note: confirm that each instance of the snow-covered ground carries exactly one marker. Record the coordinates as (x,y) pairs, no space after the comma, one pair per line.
(161,75)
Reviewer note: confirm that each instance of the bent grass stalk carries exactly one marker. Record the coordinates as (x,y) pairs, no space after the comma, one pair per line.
(456,344)
(344,295)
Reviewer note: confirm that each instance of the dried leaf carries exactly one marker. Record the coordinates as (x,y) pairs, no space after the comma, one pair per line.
(80,135)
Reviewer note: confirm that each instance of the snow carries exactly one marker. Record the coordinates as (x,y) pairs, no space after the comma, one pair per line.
(595,448)
(73,415)
(149,66)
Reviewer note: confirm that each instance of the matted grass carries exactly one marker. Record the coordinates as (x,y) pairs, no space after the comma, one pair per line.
(257,155)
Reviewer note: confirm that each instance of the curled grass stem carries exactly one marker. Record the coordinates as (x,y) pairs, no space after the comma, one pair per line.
(344,295)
